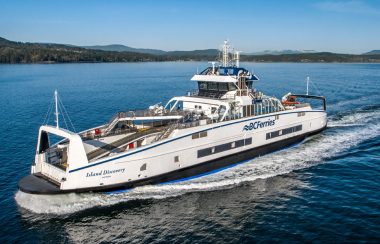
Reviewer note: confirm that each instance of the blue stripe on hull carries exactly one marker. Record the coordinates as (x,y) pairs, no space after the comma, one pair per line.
(206,173)
(177,138)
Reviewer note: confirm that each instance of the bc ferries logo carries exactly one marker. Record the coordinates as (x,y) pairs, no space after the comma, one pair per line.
(258,124)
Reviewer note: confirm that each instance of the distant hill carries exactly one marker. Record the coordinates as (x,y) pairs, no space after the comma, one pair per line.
(20,52)
(281,52)
(204,52)
(25,52)
(372,52)
(123,48)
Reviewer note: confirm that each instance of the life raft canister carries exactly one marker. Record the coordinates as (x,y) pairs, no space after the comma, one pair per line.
(291,100)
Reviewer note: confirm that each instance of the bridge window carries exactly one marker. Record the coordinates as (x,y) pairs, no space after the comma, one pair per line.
(231,87)
(223,86)
(212,86)
(202,85)
(216,86)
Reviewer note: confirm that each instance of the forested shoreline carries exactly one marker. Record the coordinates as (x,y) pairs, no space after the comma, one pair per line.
(18,53)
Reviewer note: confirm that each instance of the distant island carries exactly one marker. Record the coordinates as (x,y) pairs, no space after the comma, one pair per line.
(12,52)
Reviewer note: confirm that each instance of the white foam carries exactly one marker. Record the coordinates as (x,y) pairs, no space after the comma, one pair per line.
(312,151)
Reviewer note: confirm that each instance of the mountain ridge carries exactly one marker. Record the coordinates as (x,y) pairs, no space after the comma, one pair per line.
(372,52)
(27,52)
(123,48)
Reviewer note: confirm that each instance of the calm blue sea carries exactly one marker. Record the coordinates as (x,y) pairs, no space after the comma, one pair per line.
(326,189)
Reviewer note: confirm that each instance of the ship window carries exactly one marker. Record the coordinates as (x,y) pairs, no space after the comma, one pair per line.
(176,159)
(204,152)
(143,167)
(301,114)
(199,135)
(298,128)
(274,134)
(202,85)
(287,131)
(268,136)
(283,132)
(248,141)
(223,86)
(276,117)
(212,86)
(171,104)
(239,143)
(231,87)
(223,147)
(179,105)
(195,136)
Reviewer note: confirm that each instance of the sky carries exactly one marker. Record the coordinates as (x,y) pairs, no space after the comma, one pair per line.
(351,26)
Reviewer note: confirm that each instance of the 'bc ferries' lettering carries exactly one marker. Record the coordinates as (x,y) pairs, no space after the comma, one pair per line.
(258,124)
(104,172)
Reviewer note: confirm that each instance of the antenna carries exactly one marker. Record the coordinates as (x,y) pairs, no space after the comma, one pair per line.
(213,66)
(307,85)
(226,47)
(56,108)
(237,58)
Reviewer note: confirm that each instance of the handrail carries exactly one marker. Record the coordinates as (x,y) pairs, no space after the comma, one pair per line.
(313,97)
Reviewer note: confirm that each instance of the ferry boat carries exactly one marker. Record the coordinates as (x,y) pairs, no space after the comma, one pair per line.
(224,122)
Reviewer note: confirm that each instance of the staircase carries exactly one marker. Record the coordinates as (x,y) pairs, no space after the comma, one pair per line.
(114,121)
(166,133)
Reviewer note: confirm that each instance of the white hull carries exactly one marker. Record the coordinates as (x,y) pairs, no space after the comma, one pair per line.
(159,158)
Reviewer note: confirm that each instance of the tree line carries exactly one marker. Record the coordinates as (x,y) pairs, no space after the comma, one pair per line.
(18,52)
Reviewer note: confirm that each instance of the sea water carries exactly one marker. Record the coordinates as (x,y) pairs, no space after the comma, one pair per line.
(326,188)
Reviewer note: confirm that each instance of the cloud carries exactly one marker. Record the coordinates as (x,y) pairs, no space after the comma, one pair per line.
(352,7)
